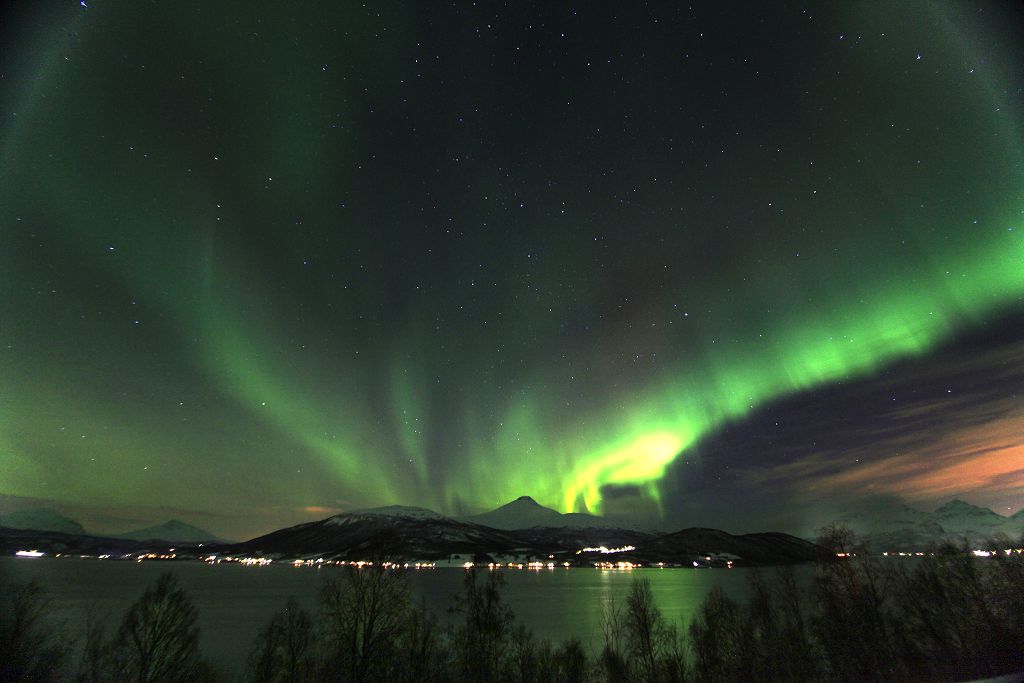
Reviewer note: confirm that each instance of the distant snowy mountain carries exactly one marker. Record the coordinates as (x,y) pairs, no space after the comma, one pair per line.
(41,519)
(892,516)
(525,513)
(173,531)
(959,517)
(900,527)
(911,538)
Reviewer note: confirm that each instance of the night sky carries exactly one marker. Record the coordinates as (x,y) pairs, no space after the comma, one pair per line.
(734,266)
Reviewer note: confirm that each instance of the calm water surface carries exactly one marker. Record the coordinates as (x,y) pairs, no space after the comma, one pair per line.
(235,601)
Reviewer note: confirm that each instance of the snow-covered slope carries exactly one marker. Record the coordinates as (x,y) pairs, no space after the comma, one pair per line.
(958,517)
(41,519)
(521,513)
(395,511)
(887,517)
(900,527)
(395,531)
(173,531)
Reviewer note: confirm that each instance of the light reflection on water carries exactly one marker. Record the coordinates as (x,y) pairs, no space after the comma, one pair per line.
(236,601)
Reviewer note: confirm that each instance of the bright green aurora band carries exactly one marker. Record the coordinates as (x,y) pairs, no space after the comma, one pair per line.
(490,366)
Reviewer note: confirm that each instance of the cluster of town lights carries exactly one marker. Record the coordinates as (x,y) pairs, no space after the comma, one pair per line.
(993,553)
(903,554)
(248,561)
(606,551)
(359,564)
(520,565)
(155,556)
(533,564)
(617,565)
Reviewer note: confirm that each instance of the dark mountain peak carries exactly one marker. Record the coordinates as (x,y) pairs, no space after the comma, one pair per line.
(757,548)
(959,507)
(173,530)
(526,499)
(41,519)
(175,524)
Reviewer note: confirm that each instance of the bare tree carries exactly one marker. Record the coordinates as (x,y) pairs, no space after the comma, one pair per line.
(570,662)
(158,638)
(613,654)
(30,647)
(650,638)
(96,662)
(853,591)
(482,640)
(365,612)
(423,657)
(639,645)
(283,651)
(716,636)
(795,653)
(960,615)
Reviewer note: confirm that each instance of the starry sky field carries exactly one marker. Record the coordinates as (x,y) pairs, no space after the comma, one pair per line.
(736,267)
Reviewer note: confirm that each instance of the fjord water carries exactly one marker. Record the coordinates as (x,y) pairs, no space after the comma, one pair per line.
(236,601)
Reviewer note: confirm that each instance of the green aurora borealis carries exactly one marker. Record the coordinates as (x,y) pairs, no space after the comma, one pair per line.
(264,263)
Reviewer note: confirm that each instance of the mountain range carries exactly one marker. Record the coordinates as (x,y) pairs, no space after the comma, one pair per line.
(48,519)
(41,519)
(521,530)
(896,526)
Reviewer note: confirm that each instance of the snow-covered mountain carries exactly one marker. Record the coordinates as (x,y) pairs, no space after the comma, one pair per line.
(414,532)
(958,517)
(173,531)
(394,531)
(884,516)
(900,527)
(405,533)
(41,519)
(525,513)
